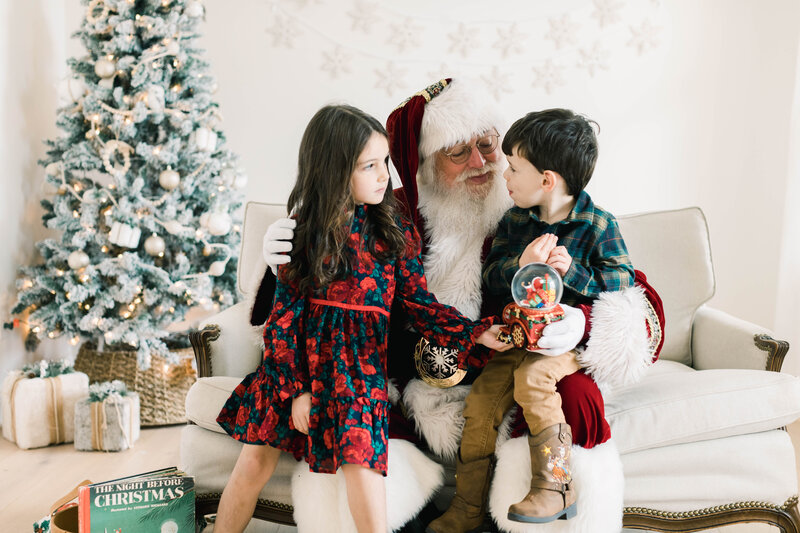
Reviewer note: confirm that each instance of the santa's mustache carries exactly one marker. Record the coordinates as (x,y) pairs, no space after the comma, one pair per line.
(493,168)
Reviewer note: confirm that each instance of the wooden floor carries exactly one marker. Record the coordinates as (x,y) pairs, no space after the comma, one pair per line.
(30,480)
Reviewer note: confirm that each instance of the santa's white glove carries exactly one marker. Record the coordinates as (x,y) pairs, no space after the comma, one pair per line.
(562,336)
(278,243)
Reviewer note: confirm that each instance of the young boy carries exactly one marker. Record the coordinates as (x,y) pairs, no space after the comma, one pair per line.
(551,156)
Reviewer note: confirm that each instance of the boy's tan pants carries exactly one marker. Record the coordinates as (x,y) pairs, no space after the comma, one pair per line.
(527,377)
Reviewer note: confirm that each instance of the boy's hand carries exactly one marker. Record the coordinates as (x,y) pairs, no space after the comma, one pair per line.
(301,411)
(489,339)
(560,260)
(539,250)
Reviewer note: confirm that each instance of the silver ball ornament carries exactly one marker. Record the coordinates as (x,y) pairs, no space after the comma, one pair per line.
(169,179)
(219,224)
(104,68)
(78,259)
(154,245)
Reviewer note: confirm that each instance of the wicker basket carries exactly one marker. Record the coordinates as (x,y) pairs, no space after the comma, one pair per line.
(162,388)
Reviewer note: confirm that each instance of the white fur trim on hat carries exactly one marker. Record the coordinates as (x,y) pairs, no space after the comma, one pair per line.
(461,111)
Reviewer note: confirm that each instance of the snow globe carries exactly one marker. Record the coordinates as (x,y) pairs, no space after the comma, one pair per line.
(537,290)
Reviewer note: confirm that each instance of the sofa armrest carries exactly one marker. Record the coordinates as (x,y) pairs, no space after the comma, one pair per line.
(226,344)
(720,340)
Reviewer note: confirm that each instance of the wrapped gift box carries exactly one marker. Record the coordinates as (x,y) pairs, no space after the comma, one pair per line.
(111,425)
(40,411)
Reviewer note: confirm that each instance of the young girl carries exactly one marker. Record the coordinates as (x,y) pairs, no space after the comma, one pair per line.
(320,392)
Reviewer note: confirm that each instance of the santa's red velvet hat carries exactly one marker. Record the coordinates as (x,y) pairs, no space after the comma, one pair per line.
(441,115)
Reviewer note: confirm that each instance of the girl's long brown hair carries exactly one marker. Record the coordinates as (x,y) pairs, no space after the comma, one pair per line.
(323,203)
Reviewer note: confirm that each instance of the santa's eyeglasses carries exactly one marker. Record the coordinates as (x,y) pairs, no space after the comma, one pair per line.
(460,153)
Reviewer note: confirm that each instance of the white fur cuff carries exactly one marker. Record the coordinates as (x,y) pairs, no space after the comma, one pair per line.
(618,352)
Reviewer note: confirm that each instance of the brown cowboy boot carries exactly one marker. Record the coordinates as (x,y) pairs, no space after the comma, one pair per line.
(468,508)
(551,496)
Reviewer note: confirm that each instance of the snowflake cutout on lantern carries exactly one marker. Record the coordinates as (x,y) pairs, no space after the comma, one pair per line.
(496,82)
(548,77)
(390,78)
(607,12)
(336,62)
(562,31)
(283,32)
(592,59)
(644,37)
(363,16)
(404,35)
(510,41)
(463,40)
(440,362)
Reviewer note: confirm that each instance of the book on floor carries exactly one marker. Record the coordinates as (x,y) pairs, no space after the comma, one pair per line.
(161,501)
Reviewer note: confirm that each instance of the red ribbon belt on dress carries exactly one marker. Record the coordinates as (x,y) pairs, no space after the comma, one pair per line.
(380,310)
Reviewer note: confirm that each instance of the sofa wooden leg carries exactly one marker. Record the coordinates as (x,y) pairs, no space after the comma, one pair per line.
(793,517)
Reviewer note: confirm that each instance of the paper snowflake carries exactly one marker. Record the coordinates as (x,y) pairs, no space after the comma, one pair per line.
(548,77)
(404,34)
(284,31)
(336,62)
(562,31)
(496,82)
(607,12)
(390,78)
(305,3)
(644,37)
(510,40)
(363,16)
(444,71)
(593,59)
(463,40)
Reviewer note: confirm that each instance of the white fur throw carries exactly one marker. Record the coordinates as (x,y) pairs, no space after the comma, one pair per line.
(320,500)
(597,480)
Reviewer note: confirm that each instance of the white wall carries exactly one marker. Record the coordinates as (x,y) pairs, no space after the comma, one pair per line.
(702,116)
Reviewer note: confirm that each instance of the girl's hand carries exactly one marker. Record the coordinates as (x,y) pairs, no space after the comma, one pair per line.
(560,260)
(538,250)
(489,339)
(301,410)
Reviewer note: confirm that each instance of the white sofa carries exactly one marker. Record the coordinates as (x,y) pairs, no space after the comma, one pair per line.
(701,436)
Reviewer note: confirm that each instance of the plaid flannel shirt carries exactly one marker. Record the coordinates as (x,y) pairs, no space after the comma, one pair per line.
(592,238)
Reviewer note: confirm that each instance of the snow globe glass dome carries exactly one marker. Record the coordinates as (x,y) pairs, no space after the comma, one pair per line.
(537,286)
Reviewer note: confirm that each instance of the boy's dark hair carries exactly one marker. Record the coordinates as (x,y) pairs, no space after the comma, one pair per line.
(557,140)
(323,203)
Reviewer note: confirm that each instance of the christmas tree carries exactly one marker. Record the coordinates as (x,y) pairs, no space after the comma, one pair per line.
(144,194)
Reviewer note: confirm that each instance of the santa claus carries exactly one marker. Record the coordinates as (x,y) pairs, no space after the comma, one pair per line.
(454,192)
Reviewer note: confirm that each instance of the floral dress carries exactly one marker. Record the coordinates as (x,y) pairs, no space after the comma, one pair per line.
(332,344)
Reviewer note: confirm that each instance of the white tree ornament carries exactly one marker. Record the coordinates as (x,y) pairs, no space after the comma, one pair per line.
(219,224)
(205,139)
(104,68)
(169,179)
(124,235)
(78,260)
(71,90)
(154,245)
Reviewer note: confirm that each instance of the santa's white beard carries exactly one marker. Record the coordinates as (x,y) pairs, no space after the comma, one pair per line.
(457,221)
